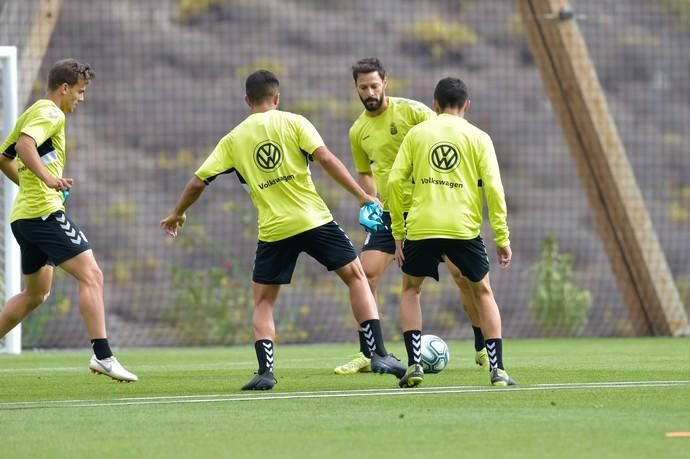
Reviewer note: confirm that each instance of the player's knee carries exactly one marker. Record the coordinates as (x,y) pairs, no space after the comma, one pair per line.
(94,276)
(36,298)
(482,288)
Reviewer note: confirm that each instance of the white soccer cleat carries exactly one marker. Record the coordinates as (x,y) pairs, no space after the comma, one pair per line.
(111,367)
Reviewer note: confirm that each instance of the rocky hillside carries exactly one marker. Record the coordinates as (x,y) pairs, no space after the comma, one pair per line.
(169,84)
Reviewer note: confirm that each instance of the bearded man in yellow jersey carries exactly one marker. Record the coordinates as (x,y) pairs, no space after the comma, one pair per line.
(270,152)
(453,164)
(375,138)
(34,157)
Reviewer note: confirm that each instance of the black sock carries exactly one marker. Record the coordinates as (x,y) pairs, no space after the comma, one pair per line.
(413,344)
(494,347)
(373,336)
(101,348)
(478,338)
(264,354)
(363,346)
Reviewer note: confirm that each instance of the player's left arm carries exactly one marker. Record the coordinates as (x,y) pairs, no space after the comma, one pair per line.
(338,172)
(366,181)
(493,189)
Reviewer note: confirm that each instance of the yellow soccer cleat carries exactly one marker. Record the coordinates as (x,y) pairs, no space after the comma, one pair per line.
(358,364)
(501,378)
(413,377)
(481,358)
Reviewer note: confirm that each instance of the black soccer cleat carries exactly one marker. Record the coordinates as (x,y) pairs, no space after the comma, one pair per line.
(387,364)
(261,381)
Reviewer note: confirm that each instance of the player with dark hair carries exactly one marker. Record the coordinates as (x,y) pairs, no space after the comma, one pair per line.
(270,152)
(453,164)
(375,138)
(34,157)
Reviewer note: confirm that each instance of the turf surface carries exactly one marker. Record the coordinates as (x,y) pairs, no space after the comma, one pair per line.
(576,398)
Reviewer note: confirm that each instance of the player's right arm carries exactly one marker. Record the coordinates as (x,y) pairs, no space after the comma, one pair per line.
(28,153)
(399,175)
(191,193)
(218,162)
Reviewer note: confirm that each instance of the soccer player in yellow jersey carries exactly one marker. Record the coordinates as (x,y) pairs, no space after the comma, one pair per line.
(270,153)
(34,157)
(453,164)
(375,138)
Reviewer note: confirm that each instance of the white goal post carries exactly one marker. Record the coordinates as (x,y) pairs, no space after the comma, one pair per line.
(12,284)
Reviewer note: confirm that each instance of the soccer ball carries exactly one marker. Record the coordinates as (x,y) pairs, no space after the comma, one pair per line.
(435,355)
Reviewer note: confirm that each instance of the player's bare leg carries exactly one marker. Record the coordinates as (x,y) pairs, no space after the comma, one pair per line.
(490,319)
(36,290)
(367,315)
(88,274)
(411,324)
(481,357)
(265,297)
(85,270)
(374,263)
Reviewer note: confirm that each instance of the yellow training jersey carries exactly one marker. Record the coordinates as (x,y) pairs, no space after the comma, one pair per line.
(45,123)
(450,162)
(375,141)
(270,153)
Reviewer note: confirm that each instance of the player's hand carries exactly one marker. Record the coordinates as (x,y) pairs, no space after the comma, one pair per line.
(172,223)
(399,256)
(504,256)
(370,199)
(60,183)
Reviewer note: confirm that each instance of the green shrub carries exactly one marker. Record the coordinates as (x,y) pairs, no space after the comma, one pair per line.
(441,39)
(559,307)
(679,10)
(210,306)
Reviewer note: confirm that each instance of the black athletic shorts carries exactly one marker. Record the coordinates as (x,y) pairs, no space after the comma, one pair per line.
(422,257)
(51,240)
(381,240)
(328,244)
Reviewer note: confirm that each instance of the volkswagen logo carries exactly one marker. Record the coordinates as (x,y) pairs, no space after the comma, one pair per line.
(268,156)
(444,157)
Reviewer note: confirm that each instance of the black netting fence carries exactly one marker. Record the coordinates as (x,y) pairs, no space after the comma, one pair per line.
(170,84)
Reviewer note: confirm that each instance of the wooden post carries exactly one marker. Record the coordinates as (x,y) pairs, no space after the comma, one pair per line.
(35,46)
(28,25)
(636,257)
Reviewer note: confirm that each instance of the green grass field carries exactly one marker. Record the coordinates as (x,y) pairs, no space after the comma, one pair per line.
(576,398)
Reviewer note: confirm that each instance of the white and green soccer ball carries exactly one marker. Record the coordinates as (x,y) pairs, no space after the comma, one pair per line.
(435,354)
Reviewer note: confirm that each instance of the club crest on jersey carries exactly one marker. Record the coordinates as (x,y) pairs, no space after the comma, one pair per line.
(394,129)
(268,156)
(444,157)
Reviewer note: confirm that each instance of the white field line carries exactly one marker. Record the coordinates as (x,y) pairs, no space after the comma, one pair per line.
(182,366)
(215,398)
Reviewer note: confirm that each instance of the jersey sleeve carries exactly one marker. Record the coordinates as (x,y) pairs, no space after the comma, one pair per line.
(308,138)
(359,157)
(44,124)
(493,189)
(399,175)
(218,162)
